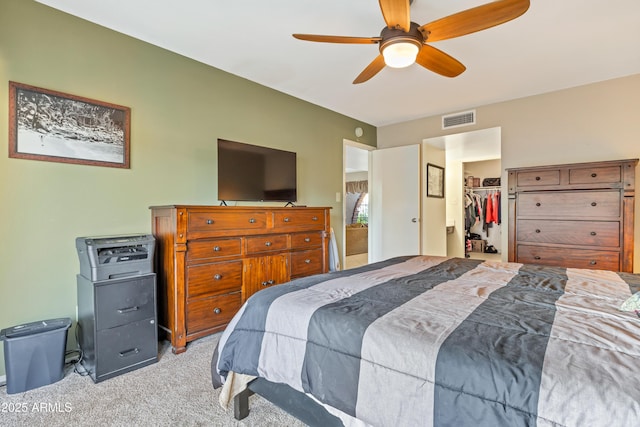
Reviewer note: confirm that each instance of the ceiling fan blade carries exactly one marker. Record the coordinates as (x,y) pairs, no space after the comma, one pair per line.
(396,13)
(439,62)
(474,19)
(337,39)
(372,69)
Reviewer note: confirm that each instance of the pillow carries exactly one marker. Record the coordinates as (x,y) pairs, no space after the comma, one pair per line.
(632,304)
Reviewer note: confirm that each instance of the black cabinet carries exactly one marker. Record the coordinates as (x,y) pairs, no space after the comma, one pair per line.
(117,326)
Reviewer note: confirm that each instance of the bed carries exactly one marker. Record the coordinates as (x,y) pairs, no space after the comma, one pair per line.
(422,340)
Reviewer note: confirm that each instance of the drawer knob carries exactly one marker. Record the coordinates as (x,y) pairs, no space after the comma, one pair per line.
(128,309)
(594,204)
(593,175)
(267,244)
(217,277)
(216,248)
(217,310)
(315,218)
(271,282)
(537,178)
(307,261)
(537,230)
(536,257)
(252,220)
(538,204)
(593,233)
(265,283)
(593,262)
(209,221)
(306,239)
(286,219)
(129,352)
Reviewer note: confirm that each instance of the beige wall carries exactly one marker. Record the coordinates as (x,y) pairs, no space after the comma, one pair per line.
(581,124)
(179,109)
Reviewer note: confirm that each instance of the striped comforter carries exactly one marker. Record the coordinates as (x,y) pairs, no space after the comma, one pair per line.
(419,341)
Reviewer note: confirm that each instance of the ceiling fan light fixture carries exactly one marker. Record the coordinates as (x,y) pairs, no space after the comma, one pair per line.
(400,54)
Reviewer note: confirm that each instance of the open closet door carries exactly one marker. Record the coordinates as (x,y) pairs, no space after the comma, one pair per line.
(394,222)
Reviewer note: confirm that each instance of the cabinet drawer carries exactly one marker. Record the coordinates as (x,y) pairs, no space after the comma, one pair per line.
(202,249)
(212,312)
(535,178)
(275,242)
(581,204)
(306,240)
(125,300)
(306,263)
(596,175)
(569,257)
(585,233)
(219,221)
(125,346)
(214,279)
(307,219)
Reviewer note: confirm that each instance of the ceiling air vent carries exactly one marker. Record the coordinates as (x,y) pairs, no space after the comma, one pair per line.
(455,120)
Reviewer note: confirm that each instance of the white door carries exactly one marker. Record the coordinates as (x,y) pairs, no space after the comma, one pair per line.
(394,200)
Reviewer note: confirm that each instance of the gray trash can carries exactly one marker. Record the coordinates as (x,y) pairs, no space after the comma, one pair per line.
(34,353)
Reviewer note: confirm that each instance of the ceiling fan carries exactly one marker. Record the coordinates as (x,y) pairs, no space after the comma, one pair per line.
(403,42)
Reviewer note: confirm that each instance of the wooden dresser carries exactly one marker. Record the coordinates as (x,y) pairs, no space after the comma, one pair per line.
(577,215)
(210,259)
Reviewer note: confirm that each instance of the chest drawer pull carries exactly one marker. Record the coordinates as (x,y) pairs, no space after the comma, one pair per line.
(593,233)
(594,204)
(267,244)
(216,248)
(252,220)
(593,175)
(217,310)
(128,309)
(537,230)
(315,218)
(593,262)
(536,257)
(307,240)
(217,277)
(286,219)
(537,178)
(307,261)
(209,221)
(129,352)
(538,204)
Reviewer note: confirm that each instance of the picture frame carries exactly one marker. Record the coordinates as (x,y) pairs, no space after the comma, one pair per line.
(58,127)
(435,181)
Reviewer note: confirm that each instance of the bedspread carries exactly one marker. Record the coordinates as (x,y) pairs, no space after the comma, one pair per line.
(422,340)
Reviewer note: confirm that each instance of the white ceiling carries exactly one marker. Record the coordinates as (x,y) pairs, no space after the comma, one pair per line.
(556,44)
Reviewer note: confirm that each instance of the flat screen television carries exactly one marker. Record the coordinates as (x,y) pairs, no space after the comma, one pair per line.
(252,173)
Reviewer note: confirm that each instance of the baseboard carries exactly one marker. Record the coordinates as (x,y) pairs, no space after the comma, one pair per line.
(3,380)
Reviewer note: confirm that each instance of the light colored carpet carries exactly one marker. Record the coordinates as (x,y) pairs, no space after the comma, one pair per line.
(176,391)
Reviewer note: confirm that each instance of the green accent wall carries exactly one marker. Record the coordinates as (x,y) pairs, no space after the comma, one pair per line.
(179,107)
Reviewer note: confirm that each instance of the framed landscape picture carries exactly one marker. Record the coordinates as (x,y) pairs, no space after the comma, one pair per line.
(435,181)
(58,127)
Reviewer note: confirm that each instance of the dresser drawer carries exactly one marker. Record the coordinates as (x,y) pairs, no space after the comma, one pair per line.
(306,263)
(595,175)
(306,219)
(202,249)
(569,257)
(306,240)
(214,279)
(536,178)
(275,242)
(584,233)
(122,301)
(126,346)
(214,312)
(562,204)
(219,221)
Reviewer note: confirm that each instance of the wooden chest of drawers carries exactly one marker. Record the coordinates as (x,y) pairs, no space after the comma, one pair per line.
(576,215)
(212,258)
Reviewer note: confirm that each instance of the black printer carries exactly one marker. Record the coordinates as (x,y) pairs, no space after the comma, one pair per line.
(114,257)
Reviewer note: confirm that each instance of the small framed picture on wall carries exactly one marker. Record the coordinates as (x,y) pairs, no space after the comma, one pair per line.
(435,181)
